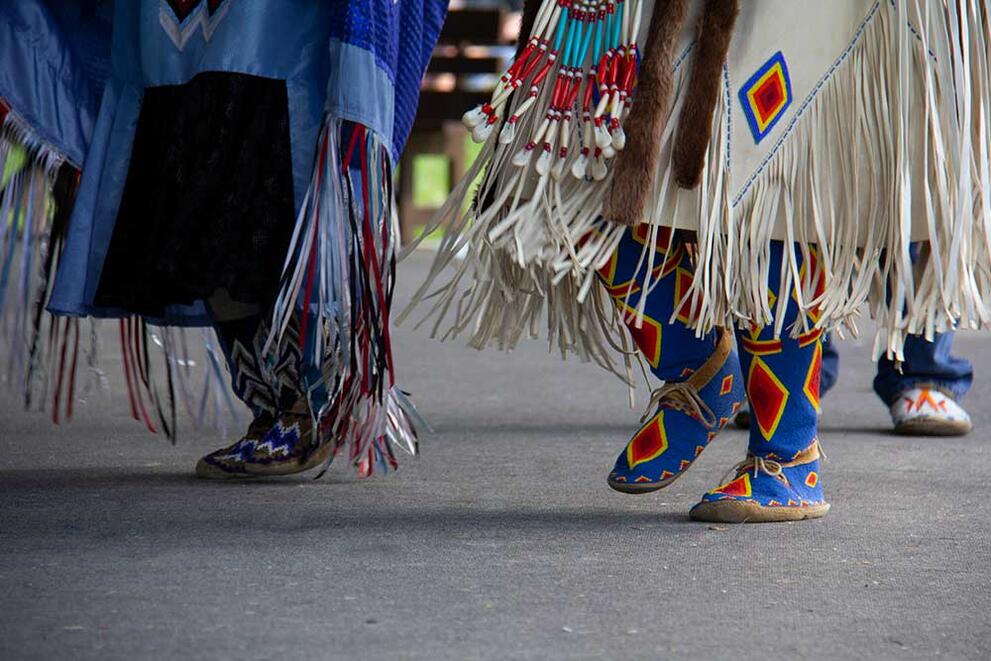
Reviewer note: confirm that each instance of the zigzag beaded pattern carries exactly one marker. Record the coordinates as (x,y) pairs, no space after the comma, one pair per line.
(183,8)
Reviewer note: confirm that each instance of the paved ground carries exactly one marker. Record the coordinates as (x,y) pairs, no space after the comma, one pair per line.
(501,542)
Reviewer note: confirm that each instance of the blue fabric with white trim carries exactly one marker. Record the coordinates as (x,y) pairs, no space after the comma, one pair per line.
(360,60)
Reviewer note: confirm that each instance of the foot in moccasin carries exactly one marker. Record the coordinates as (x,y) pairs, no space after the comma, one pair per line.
(928,411)
(272,446)
(765,490)
(688,415)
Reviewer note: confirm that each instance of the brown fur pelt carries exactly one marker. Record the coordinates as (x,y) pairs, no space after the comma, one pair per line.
(635,164)
(695,124)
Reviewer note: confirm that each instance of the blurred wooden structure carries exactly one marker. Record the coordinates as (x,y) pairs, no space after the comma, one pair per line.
(463,54)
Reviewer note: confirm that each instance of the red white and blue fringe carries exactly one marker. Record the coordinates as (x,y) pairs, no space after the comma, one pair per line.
(54,361)
(338,284)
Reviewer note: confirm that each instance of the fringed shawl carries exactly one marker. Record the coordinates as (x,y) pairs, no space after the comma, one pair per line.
(71,95)
(851,128)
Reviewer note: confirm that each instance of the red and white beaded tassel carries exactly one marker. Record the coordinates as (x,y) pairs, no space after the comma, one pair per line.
(579,68)
(482,119)
(549,131)
(591,45)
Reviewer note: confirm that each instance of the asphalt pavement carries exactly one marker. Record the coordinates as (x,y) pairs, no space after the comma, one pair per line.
(501,541)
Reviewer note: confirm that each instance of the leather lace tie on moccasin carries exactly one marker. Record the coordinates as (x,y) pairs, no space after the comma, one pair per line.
(683,417)
(767,490)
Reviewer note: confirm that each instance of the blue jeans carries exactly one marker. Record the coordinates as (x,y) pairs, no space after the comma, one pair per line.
(925,362)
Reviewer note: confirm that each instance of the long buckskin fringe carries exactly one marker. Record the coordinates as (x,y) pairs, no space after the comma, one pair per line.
(44,353)
(338,278)
(841,178)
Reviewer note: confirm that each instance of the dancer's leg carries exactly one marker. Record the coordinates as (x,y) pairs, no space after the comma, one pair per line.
(703,386)
(924,396)
(279,439)
(779,479)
